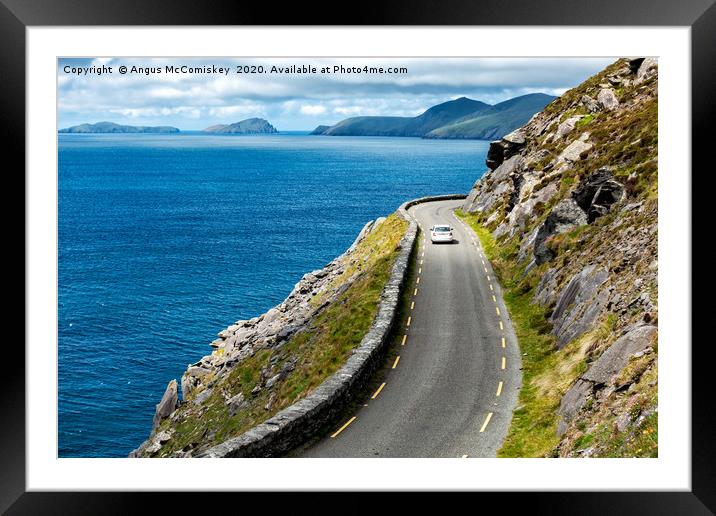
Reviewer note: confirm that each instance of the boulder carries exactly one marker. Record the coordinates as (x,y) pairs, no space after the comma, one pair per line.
(271,316)
(188,384)
(635,63)
(608,99)
(168,404)
(197,372)
(573,400)
(236,403)
(505,148)
(647,69)
(565,216)
(573,152)
(228,332)
(495,155)
(596,193)
(567,126)
(523,212)
(516,137)
(616,356)
(272,381)
(545,291)
(622,422)
(589,103)
(527,245)
(579,304)
(602,372)
(202,397)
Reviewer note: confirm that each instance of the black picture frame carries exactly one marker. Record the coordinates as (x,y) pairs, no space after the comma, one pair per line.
(700,15)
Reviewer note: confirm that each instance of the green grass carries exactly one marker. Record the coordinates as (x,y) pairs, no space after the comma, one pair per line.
(320,351)
(584,121)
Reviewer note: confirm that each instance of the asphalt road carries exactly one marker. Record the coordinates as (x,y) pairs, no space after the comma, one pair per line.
(453,389)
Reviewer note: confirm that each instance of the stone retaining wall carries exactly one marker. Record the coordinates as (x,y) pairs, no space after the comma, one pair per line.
(301,421)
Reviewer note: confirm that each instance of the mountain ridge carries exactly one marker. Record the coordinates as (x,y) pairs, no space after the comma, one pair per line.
(479,120)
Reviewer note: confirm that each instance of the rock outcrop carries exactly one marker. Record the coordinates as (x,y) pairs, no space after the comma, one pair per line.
(571,199)
(168,403)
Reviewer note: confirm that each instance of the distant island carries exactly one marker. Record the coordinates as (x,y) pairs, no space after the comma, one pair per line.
(462,118)
(248,126)
(110,127)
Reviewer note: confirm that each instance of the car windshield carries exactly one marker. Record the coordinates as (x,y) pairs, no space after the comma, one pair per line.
(441,229)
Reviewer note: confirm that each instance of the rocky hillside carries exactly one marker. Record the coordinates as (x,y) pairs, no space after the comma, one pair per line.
(568,214)
(259,366)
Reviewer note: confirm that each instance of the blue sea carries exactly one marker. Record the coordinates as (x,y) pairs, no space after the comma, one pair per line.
(164,240)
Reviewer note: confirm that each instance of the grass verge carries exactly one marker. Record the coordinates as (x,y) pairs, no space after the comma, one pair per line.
(533,429)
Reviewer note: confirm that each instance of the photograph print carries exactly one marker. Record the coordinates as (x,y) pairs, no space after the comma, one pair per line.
(357,257)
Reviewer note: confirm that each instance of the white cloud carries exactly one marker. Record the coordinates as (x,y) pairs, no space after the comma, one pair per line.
(298,101)
(312,109)
(348,110)
(227,111)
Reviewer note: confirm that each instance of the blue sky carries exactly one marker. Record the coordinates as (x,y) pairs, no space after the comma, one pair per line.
(301,102)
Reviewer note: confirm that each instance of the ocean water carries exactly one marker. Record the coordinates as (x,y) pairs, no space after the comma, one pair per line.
(164,240)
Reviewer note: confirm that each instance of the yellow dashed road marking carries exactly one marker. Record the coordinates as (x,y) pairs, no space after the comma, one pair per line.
(405,337)
(485,269)
(420,270)
(494,299)
(412,305)
(487,420)
(408,323)
(488,278)
(416,292)
(397,359)
(497,309)
(499,389)
(417,281)
(343,427)
(503,342)
(504,362)
(491,287)
(501,327)
(375,394)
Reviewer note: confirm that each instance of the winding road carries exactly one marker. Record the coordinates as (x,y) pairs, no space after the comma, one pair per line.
(453,388)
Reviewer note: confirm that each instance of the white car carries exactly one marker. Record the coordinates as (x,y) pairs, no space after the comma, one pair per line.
(441,233)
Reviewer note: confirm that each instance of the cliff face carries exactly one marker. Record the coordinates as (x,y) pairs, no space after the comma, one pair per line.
(570,207)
